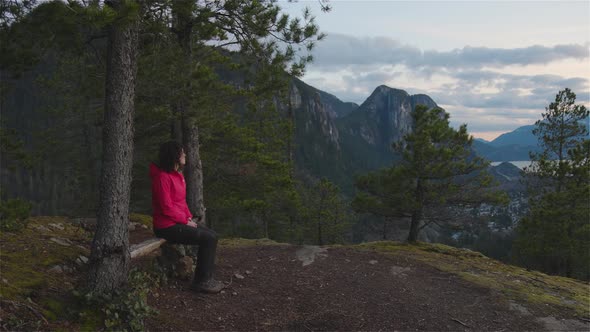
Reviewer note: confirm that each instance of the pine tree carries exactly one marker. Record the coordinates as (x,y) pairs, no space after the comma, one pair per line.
(553,236)
(251,140)
(438,169)
(256,29)
(109,259)
(327,213)
(563,127)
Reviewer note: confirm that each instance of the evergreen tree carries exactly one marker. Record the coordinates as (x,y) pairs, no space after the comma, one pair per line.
(266,42)
(554,235)
(327,213)
(377,196)
(563,127)
(437,170)
(109,258)
(53,76)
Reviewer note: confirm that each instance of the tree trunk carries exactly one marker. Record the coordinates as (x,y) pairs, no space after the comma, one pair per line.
(176,126)
(320,239)
(193,169)
(416,214)
(266,235)
(320,212)
(415,225)
(182,11)
(110,247)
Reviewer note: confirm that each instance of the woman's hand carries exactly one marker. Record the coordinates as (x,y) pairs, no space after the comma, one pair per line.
(192,224)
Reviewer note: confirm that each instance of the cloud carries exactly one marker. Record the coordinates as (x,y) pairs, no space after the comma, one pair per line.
(471,88)
(489,120)
(488,101)
(490,89)
(339,50)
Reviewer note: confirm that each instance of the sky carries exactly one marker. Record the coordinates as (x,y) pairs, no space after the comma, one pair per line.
(493,65)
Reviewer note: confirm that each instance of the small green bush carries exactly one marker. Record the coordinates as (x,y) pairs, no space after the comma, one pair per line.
(14,214)
(125,309)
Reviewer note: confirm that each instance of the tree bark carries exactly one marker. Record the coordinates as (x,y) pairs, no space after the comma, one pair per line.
(109,260)
(193,170)
(320,239)
(182,11)
(414,227)
(416,214)
(176,127)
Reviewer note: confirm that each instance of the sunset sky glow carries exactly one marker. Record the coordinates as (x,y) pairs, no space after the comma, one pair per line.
(492,65)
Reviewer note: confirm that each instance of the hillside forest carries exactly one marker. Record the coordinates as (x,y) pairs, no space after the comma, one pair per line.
(90,89)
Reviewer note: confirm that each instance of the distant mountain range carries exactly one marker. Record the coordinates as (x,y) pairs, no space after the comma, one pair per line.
(520,136)
(337,140)
(511,146)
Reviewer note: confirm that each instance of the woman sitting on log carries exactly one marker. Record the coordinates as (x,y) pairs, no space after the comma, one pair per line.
(174,222)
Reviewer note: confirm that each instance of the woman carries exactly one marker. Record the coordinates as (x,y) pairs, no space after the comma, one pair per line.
(172,219)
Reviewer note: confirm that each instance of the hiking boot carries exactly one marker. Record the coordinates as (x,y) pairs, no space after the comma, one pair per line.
(210,286)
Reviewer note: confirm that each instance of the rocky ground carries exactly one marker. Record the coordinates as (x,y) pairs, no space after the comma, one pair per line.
(371,287)
(340,289)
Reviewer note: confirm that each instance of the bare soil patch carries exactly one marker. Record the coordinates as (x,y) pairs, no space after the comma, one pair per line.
(343,289)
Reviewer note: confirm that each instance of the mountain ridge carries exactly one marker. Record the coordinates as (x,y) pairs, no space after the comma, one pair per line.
(385,116)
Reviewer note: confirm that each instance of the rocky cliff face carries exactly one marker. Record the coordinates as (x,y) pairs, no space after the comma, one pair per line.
(315,116)
(337,139)
(385,117)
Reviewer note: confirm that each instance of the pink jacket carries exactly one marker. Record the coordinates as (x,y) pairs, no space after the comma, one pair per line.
(168,198)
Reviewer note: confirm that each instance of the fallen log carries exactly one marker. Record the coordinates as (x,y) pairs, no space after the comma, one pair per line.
(146,247)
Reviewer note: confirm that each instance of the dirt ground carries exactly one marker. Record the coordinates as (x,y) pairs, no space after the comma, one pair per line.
(296,288)
(337,289)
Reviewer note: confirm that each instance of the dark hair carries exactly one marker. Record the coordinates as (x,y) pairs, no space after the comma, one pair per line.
(170,155)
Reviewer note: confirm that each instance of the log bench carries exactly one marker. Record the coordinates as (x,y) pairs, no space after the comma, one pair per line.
(176,259)
(146,247)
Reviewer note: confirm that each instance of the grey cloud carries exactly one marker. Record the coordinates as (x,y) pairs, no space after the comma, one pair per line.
(492,119)
(542,88)
(371,79)
(370,62)
(341,51)
(477,109)
(495,57)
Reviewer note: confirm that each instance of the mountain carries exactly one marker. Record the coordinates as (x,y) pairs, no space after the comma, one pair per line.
(508,177)
(384,117)
(368,132)
(511,146)
(511,152)
(515,145)
(317,150)
(522,136)
(337,140)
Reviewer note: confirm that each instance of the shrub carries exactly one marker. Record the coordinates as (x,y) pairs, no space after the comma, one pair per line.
(126,308)
(14,214)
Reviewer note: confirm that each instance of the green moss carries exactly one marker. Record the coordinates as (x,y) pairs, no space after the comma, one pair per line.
(514,282)
(26,257)
(54,308)
(240,242)
(141,218)
(19,278)
(91,320)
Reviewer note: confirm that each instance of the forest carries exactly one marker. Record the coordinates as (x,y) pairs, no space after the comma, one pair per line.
(90,89)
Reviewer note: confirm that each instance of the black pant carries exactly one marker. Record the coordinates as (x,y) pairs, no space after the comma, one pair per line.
(202,236)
